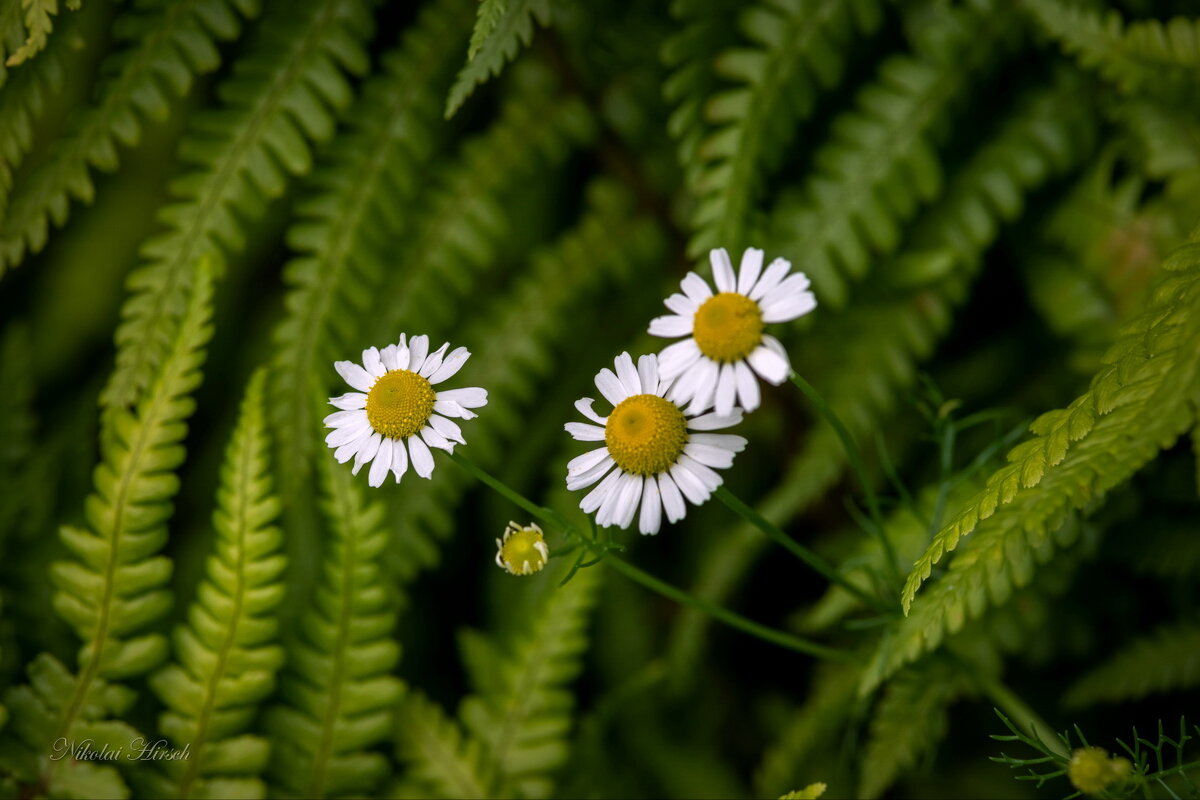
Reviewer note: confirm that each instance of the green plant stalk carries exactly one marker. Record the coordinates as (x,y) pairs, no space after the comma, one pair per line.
(860,470)
(1024,717)
(800,551)
(717,612)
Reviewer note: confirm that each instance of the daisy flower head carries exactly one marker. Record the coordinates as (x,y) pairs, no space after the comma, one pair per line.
(523,549)
(715,366)
(396,415)
(654,455)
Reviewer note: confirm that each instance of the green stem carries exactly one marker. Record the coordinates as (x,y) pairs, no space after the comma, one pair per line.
(856,464)
(1024,717)
(717,612)
(800,551)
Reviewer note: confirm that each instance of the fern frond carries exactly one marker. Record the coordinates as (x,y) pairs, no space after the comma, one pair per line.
(440,757)
(114,590)
(38,25)
(226,658)
(367,188)
(502,29)
(35,755)
(1139,403)
(1146,57)
(338,692)
(518,336)
(165,44)
(525,719)
(282,96)
(797,50)
(881,163)
(909,722)
(1166,660)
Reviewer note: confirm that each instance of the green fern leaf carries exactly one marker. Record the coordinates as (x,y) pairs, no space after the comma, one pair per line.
(439,756)
(165,43)
(503,28)
(1139,403)
(226,658)
(281,96)
(1167,660)
(38,26)
(36,753)
(525,721)
(882,164)
(338,691)
(908,723)
(367,188)
(1141,58)
(797,51)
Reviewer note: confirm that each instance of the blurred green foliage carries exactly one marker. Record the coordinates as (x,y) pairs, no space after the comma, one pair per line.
(204,203)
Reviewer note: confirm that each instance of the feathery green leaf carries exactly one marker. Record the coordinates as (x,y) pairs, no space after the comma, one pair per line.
(503,28)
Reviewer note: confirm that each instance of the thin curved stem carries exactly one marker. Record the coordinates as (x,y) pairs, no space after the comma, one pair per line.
(717,612)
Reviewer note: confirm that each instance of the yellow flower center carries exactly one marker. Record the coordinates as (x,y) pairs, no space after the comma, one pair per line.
(399,404)
(524,551)
(645,434)
(728,326)
(1091,770)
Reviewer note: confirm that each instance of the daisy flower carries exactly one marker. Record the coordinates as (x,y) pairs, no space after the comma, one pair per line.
(396,415)
(714,367)
(654,455)
(523,549)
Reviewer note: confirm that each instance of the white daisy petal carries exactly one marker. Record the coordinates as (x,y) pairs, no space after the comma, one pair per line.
(446,428)
(399,459)
(651,516)
(776,345)
(449,408)
(627,374)
(472,397)
(351,448)
(796,282)
(583,432)
(726,391)
(771,278)
(788,307)
(671,326)
(451,365)
(706,387)
(631,495)
(584,405)
(388,356)
(588,477)
(677,358)
(340,419)
(366,452)
(684,389)
(349,401)
(403,356)
(769,364)
(422,459)
(435,439)
(648,373)
(586,461)
(381,464)
(610,386)
(433,361)
(354,375)
(593,499)
(752,261)
(708,455)
(372,362)
(614,504)
(418,348)
(747,387)
(339,436)
(689,485)
(712,422)
(672,500)
(696,288)
(725,441)
(682,305)
(722,269)
(707,477)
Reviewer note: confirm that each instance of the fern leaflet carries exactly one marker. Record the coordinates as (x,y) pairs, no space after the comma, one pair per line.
(281,96)
(38,25)
(338,692)
(226,658)
(1166,660)
(165,43)
(503,28)
(438,754)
